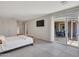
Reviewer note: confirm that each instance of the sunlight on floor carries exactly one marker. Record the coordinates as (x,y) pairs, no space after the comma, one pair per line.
(73,43)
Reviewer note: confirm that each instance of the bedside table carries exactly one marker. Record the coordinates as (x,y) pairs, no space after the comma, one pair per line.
(1,44)
(0,41)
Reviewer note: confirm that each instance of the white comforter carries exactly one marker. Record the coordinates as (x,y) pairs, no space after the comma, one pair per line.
(16,41)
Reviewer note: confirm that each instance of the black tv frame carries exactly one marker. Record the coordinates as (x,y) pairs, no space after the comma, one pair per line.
(40,23)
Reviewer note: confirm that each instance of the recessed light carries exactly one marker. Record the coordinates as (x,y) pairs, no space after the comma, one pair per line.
(64,2)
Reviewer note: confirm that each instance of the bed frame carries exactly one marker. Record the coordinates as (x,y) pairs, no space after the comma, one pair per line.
(15,48)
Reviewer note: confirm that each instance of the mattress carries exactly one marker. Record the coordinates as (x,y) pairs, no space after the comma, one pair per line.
(15,42)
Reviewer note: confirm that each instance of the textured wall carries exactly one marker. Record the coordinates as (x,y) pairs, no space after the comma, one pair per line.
(8,27)
(40,32)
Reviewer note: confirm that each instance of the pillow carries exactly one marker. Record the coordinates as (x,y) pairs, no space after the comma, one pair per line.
(22,36)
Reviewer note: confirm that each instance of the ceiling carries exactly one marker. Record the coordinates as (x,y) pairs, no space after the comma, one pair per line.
(28,10)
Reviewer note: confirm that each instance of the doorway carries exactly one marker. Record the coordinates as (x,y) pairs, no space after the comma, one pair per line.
(66,32)
(72,33)
(60,32)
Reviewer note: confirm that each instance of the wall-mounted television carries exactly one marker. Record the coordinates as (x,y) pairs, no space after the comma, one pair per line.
(40,23)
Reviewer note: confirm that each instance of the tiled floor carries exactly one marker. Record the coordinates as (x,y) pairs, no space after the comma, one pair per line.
(44,49)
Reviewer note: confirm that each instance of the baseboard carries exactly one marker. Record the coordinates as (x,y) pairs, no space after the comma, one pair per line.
(42,39)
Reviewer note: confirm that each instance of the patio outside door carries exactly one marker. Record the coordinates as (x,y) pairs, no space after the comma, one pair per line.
(60,36)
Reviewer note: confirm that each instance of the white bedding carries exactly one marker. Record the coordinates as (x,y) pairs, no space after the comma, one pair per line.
(16,41)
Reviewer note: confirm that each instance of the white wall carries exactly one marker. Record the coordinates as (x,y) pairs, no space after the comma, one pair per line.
(8,27)
(40,32)
(52,29)
(21,27)
(47,32)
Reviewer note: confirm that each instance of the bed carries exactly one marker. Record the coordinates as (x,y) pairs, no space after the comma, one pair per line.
(15,42)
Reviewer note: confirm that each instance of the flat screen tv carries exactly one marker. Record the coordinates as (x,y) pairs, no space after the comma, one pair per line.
(40,23)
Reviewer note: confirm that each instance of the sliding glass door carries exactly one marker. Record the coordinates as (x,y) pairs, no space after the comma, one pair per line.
(72,33)
(66,32)
(60,32)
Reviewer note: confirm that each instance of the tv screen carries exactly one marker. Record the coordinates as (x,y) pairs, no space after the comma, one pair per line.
(40,23)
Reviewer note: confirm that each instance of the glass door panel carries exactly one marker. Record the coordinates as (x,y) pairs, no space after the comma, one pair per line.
(60,32)
(72,33)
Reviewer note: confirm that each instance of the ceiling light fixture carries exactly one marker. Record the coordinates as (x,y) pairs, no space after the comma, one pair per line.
(63,2)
